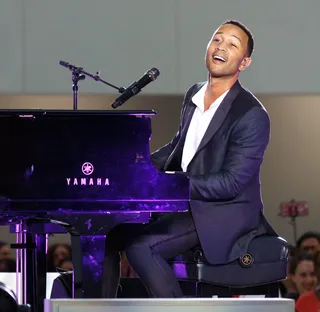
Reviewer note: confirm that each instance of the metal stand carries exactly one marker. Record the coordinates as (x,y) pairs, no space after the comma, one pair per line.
(76,77)
(31,249)
(294,227)
(79,74)
(31,252)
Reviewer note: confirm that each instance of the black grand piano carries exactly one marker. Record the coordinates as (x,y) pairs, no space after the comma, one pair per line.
(81,172)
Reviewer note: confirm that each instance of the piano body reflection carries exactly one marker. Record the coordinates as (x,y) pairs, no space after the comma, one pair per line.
(81,170)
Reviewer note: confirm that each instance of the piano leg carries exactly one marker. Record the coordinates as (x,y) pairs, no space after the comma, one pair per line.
(92,261)
(29,272)
(33,266)
(36,271)
(41,269)
(92,249)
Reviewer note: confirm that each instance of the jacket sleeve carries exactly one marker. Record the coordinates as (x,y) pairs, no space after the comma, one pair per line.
(248,142)
(160,156)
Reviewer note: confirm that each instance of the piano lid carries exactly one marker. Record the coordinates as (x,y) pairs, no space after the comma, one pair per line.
(82,156)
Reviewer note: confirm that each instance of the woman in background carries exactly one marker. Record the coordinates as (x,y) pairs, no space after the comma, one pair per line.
(303,275)
(56,254)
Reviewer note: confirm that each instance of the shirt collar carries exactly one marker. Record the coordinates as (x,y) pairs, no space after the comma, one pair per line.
(198,98)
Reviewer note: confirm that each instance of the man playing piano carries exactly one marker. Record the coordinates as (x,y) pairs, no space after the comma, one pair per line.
(223,134)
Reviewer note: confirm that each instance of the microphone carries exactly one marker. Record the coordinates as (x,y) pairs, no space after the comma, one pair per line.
(68,65)
(151,75)
(74,69)
(65,64)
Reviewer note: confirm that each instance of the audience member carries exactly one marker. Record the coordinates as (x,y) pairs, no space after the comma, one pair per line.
(287,286)
(309,302)
(57,253)
(65,264)
(302,273)
(5,251)
(126,269)
(316,260)
(308,242)
(7,265)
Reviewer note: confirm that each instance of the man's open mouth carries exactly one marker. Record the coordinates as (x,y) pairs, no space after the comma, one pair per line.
(219,58)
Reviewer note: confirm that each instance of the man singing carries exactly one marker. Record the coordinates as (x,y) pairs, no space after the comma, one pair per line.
(223,134)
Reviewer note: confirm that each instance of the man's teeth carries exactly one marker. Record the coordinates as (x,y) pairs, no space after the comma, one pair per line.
(219,58)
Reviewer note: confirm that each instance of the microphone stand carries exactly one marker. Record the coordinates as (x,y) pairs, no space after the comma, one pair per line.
(79,74)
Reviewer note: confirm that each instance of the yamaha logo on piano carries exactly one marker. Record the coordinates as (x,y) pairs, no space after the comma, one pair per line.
(87,169)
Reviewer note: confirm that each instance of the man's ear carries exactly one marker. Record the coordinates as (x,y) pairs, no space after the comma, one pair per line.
(245,63)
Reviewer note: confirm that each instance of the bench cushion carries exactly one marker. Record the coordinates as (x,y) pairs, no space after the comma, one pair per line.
(265,262)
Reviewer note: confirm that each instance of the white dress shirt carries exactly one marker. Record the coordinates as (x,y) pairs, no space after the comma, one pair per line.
(198,125)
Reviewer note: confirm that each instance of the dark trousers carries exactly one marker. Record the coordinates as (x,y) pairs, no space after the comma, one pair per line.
(148,252)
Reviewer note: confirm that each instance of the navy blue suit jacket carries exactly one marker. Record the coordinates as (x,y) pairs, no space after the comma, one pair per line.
(224,173)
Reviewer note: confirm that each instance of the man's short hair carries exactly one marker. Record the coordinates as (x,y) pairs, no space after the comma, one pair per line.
(250,47)
(307,235)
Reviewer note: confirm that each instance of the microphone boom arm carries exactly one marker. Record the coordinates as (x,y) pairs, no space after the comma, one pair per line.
(79,74)
(126,93)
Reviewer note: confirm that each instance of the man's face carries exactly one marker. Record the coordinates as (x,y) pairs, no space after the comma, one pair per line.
(230,43)
(310,245)
(59,254)
(5,252)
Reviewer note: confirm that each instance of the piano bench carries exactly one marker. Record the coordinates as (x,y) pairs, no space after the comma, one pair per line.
(263,266)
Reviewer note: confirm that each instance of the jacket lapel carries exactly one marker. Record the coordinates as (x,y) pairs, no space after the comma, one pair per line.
(214,125)
(220,115)
(190,108)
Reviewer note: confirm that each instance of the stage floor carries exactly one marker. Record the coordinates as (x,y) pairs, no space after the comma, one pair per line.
(172,305)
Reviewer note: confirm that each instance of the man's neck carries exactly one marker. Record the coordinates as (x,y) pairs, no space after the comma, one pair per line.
(217,86)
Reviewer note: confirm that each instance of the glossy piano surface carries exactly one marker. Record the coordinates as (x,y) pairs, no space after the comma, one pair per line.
(83,161)
(88,169)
